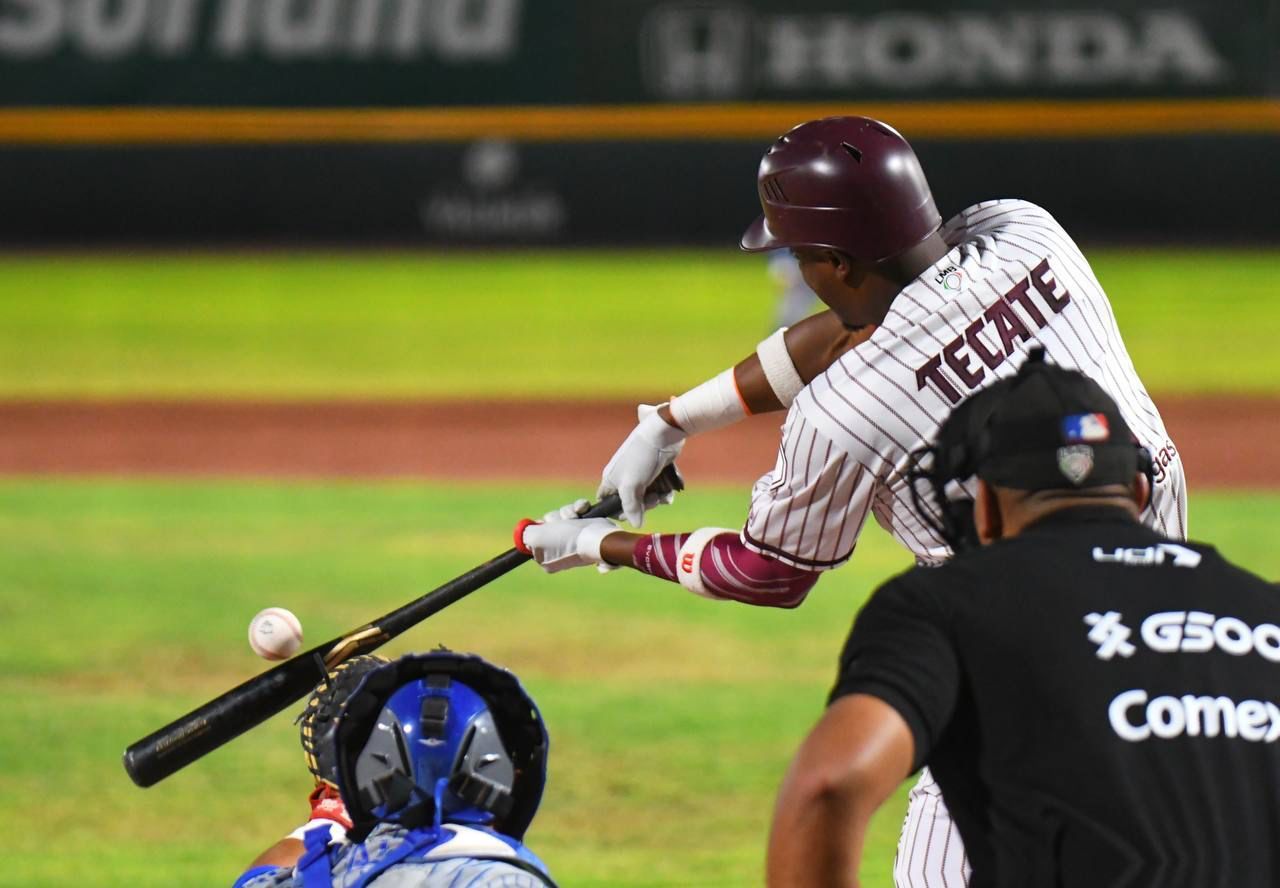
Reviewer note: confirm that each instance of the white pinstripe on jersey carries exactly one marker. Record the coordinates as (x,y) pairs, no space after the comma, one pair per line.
(930,851)
(1012,278)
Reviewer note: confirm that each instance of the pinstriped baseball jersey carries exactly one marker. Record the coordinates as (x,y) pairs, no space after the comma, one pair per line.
(930,850)
(1013,278)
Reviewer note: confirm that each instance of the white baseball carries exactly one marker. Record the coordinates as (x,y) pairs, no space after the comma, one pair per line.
(275,634)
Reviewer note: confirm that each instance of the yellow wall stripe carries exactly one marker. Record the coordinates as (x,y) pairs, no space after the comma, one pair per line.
(940,120)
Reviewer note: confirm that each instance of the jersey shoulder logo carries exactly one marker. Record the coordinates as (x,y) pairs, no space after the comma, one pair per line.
(951,279)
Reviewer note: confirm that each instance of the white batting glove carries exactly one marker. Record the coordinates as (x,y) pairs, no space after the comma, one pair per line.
(573,510)
(566,542)
(652,446)
(565,513)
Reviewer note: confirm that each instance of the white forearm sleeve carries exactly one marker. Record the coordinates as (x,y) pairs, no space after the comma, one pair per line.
(779,369)
(712,405)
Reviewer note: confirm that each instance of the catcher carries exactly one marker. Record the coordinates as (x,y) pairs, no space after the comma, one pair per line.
(428,770)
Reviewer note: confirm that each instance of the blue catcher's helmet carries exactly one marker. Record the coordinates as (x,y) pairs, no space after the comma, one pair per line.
(441,737)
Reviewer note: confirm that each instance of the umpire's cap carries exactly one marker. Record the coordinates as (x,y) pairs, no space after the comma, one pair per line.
(1045,428)
(851,184)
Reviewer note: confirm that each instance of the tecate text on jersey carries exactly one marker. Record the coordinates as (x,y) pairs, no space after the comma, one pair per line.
(1001,317)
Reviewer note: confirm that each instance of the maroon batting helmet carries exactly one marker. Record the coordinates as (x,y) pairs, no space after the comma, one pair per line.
(851,184)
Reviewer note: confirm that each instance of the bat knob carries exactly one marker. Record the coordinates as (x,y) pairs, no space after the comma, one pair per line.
(135,772)
(518,535)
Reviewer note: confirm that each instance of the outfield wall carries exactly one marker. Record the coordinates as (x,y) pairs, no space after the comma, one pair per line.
(1193,188)
(632,121)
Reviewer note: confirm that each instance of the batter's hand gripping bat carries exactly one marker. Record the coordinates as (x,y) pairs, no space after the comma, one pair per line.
(247,705)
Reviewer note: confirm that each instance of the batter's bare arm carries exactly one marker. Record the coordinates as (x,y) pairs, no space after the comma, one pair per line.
(618,548)
(813,345)
(767,380)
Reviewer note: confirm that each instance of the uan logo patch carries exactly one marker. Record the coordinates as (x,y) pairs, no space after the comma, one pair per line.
(1151,556)
(1075,462)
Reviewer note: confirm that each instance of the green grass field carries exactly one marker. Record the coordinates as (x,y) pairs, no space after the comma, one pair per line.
(672,718)
(518,324)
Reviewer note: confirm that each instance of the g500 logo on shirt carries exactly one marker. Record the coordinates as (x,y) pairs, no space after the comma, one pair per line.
(1195,632)
(1186,632)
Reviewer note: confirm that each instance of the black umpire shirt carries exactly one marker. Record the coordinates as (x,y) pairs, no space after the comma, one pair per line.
(1098,703)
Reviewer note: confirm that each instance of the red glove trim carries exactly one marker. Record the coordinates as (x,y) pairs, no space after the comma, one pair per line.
(518,535)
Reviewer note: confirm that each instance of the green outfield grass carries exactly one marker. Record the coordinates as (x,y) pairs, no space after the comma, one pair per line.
(672,718)
(510,324)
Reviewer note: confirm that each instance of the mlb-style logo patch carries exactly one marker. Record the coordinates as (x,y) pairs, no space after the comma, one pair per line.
(1085,427)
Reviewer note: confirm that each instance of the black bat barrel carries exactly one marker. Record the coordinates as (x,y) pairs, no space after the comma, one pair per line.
(182,741)
(226,717)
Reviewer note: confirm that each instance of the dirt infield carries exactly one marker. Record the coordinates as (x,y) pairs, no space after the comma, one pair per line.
(1225,442)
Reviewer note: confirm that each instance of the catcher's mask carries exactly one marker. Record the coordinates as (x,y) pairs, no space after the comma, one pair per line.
(1046,428)
(441,737)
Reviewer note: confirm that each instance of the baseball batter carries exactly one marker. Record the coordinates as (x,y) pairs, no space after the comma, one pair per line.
(921,315)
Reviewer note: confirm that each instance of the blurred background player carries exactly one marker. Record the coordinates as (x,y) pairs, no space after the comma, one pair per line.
(1088,717)
(921,314)
(795,300)
(429,770)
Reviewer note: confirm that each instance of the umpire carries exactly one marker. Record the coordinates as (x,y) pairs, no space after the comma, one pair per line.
(1098,703)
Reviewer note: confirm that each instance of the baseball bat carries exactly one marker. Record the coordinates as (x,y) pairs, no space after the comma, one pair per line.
(222,719)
